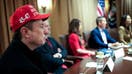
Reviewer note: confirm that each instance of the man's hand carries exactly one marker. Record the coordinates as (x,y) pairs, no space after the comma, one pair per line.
(57,55)
(59,50)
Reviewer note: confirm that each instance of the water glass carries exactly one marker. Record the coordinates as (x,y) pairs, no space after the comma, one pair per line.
(100,63)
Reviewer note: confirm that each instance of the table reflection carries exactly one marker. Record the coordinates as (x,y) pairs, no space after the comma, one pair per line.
(121,66)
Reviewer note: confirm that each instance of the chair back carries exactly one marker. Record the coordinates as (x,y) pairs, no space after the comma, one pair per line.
(86,36)
(65,43)
(114,33)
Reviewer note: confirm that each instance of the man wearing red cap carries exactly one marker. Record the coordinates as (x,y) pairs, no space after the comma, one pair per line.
(21,56)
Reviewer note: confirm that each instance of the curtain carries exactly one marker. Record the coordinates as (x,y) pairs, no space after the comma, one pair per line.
(59,18)
(7,7)
(123,7)
(86,11)
(65,10)
(126,7)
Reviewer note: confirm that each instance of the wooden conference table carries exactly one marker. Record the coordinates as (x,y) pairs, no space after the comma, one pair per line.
(121,67)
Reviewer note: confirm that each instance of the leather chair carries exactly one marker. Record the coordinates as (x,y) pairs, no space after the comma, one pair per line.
(86,36)
(114,33)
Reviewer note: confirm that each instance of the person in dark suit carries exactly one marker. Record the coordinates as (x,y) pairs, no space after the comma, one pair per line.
(21,57)
(53,53)
(99,37)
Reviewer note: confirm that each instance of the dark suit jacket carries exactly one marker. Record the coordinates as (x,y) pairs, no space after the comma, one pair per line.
(95,41)
(53,64)
(18,59)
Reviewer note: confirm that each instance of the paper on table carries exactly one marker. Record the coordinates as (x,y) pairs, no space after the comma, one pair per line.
(128,58)
(119,53)
(91,64)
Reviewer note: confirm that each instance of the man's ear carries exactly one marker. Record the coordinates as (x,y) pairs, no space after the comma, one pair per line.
(25,32)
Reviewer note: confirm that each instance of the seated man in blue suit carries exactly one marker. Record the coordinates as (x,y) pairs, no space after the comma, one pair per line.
(53,53)
(99,37)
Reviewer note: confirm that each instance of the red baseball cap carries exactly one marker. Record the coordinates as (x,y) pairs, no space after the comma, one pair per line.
(24,14)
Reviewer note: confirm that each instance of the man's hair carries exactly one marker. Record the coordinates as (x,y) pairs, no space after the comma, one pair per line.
(17,34)
(98,19)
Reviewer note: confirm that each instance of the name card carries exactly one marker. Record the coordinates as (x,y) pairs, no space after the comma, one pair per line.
(119,53)
(109,65)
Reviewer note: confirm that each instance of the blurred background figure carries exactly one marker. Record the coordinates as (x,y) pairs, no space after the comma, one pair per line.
(75,42)
(125,29)
(112,19)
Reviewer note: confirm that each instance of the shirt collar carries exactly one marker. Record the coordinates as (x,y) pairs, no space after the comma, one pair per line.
(100,29)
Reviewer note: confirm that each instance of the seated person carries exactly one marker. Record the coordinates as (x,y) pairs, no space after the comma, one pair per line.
(75,43)
(21,56)
(99,37)
(125,29)
(112,19)
(53,53)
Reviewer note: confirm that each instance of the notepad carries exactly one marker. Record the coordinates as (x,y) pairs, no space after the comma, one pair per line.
(127,58)
(91,64)
(119,53)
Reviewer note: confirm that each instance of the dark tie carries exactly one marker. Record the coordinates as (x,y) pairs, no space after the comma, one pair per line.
(49,43)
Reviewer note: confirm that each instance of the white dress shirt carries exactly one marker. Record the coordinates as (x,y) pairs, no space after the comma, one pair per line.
(103,35)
